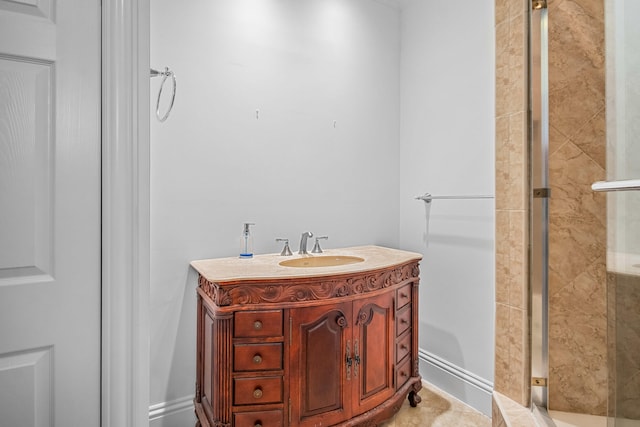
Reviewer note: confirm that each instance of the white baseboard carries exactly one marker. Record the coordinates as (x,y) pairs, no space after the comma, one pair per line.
(176,413)
(466,386)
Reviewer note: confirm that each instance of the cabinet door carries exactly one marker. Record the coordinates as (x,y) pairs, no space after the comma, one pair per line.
(373,349)
(320,337)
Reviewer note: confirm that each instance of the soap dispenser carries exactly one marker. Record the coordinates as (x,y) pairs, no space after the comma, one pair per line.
(246,242)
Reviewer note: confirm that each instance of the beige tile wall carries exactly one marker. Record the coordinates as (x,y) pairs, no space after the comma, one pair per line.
(577,225)
(578,372)
(512,334)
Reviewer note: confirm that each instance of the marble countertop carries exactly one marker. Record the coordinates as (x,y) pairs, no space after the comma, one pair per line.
(266,267)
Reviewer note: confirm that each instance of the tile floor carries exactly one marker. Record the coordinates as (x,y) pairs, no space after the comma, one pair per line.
(437,409)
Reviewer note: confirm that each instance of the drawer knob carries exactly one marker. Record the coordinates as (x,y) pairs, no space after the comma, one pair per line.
(404,295)
(257,325)
(257,393)
(257,359)
(403,347)
(403,374)
(404,321)
(257,424)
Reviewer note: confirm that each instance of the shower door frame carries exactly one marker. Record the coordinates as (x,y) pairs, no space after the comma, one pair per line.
(539,208)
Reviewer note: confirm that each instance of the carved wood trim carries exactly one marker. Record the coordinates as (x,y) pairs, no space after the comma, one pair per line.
(309,289)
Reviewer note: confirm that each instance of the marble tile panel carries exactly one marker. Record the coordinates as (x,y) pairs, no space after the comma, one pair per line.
(502,354)
(556,140)
(502,166)
(516,99)
(627,348)
(501,11)
(577,225)
(517,7)
(573,244)
(577,344)
(518,261)
(592,140)
(573,105)
(511,164)
(502,257)
(503,77)
(576,63)
(497,420)
(518,356)
(512,413)
(592,8)
(508,9)
(516,191)
(576,42)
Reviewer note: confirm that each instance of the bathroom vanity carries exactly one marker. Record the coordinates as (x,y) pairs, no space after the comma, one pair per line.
(323,340)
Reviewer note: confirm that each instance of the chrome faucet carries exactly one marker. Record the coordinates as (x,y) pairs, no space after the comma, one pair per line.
(303,242)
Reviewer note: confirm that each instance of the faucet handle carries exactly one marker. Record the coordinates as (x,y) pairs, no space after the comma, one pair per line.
(316,248)
(285,251)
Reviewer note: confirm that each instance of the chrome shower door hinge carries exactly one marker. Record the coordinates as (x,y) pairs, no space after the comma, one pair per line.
(541,193)
(538,381)
(538,4)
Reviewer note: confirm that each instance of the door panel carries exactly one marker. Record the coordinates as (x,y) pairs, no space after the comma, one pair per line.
(25,171)
(50,213)
(319,337)
(374,347)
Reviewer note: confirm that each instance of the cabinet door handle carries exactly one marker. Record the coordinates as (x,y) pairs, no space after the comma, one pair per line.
(257,359)
(257,325)
(257,393)
(349,360)
(356,358)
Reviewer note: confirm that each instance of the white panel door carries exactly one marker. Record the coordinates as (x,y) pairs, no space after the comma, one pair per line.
(50,213)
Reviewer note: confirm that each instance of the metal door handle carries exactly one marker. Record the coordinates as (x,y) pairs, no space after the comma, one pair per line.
(623,185)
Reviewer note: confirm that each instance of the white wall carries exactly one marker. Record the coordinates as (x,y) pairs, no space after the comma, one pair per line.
(408,119)
(447,148)
(304,66)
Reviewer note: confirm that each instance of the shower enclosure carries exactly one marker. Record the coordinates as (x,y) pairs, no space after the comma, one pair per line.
(585,240)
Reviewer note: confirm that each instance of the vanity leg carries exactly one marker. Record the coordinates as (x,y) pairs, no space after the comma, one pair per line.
(414,397)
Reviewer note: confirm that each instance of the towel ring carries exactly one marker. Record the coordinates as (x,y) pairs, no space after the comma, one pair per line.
(165,74)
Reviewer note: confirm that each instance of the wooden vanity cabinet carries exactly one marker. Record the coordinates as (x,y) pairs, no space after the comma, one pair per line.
(307,352)
(342,359)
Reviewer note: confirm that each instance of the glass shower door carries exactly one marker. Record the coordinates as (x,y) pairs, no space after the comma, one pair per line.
(623,210)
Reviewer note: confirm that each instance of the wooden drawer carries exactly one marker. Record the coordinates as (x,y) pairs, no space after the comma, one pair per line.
(403,347)
(403,372)
(257,357)
(248,324)
(403,320)
(403,296)
(254,391)
(259,419)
